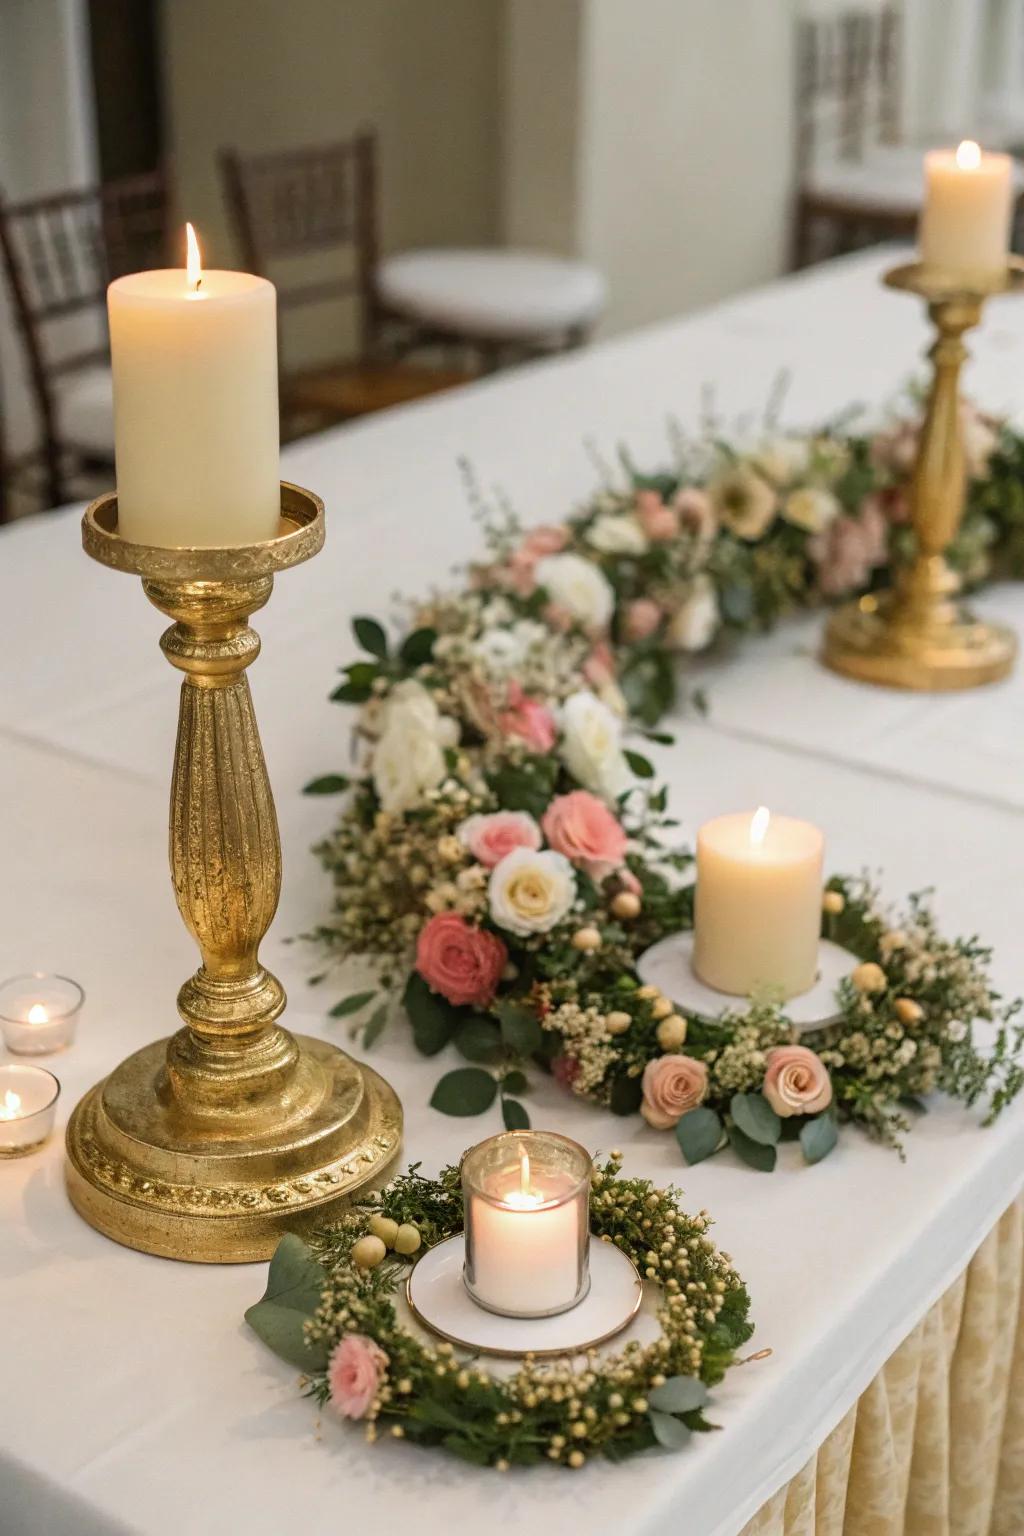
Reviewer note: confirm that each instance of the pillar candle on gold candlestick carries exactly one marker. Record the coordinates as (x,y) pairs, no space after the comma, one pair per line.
(965,220)
(194,360)
(758,904)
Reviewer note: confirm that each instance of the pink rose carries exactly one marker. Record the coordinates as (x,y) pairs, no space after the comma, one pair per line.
(520,572)
(460,962)
(354,1374)
(673,1084)
(642,618)
(529,720)
(849,550)
(657,520)
(565,1070)
(489,838)
(583,828)
(547,539)
(599,667)
(796,1081)
(696,512)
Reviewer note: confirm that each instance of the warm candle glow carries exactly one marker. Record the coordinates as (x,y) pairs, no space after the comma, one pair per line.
(193,262)
(968,155)
(759,826)
(37,1014)
(524,1172)
(11,1106)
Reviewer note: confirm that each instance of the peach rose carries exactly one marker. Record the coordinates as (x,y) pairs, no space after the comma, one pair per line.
(489,838)
(642,618)
(796,1081)
(460,962)
(583,828)
(658,521)
(529,720)
(599,666)
(696,512)
(672,1084)
(354,1374)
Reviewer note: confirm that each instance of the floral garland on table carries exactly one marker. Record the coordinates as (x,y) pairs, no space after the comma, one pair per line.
(329,1309)
(504,858)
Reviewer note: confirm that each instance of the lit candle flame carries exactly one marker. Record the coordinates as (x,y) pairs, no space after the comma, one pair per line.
(11,1105)
(759,826)
(37,1014)
(524,1172)
(193,263)
(968,155)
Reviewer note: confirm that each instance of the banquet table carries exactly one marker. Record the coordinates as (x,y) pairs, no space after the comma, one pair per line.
(134,1397)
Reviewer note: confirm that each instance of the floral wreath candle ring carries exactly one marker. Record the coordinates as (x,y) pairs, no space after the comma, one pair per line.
(504,855)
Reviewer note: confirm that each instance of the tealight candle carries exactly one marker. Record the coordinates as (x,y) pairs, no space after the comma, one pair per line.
(527,1215)
(39,1013)
(757,919)
(28,1103)
(965,219)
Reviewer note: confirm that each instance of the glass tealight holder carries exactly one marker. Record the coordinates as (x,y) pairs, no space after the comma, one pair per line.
(527,1220)
(39,1013)
(28,1104)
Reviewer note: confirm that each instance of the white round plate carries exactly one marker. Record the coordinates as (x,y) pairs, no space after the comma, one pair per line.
(439,1299)
(668,965)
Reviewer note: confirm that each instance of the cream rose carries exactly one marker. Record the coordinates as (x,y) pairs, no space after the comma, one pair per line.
(693,626)
(617,533)
(672,1086)
(408,759)
(529,892)
(592,745)
(783,459)
(811,508)
(578,586)
(744,501)
(796,1081)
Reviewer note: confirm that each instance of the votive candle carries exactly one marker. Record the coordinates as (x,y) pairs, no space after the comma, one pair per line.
(39,1013)
(28,1104)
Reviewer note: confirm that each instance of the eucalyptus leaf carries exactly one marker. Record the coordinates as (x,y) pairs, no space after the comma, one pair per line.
(478,1039)
(699,1133)
(755,1153)
(351,693)
(668,1431)
(641,766)
(327,784)
(466,1091)
(680,1394)
(374,1027)
(819,1136)
(514,1082)
(433,1020)
(520,1028)
(371,636)
(626,1094)
(418,647)
(295,1283)
(515,1115)
(756,1118)
(351,1004)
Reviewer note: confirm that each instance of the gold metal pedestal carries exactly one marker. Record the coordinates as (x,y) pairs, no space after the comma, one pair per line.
(209,1145)
(919,635)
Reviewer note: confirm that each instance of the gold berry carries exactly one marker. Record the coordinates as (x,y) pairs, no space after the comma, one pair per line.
(672,1032)
(586,939)
(617,1022)
(661,1008)
(833,902)
(869,977)
(384,1228)
(648,993)
(407,1239)
(626,905)
(368,1252)
(907,1011)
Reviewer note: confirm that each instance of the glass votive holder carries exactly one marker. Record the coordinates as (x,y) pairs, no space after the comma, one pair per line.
(39,1013)
(526,1196)
(28,1103)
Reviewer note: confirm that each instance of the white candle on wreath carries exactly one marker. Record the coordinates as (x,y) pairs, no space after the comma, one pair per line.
(757,914)
(965,219)
(196,437)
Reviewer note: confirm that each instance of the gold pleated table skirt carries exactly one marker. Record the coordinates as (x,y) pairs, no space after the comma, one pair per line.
(935,1446)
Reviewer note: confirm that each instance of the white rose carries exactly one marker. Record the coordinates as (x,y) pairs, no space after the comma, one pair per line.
(578,586)
(500,650)
(408,759)
(530,892)
(617,534)
(592,745)
(811,509)
(783,459)
(693,625)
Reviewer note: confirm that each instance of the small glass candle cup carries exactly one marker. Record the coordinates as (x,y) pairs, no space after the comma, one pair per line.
(39,1013)
(28,1104)
(527,1215)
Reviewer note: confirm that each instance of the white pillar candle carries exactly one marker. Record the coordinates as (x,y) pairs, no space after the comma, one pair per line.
(965,220)
(758,904)
(196,439)
(527,1223)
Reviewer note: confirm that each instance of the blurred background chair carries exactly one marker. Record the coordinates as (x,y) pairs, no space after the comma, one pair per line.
(59,253)
(481,308)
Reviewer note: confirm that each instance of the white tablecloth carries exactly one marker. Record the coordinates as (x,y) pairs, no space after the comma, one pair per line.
(134,1399)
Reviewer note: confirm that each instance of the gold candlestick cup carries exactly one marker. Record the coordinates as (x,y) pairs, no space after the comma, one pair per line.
(208,1145)
(920,635)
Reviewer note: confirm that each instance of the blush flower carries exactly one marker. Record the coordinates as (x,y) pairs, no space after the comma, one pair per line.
(489,838)
(354,1374)
(462,963)
(583,828)
(528,719)
(672,1085)
(796,1081)
(658,521)
(642,618)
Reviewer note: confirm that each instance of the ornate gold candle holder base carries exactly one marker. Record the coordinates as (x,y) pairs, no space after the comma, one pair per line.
(918,635)
(209,1145)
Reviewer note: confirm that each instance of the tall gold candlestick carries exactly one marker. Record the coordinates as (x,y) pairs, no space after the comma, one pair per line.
(919,635)
(208,1145)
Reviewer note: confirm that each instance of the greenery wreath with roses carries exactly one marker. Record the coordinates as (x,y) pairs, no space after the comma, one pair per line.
(503,856)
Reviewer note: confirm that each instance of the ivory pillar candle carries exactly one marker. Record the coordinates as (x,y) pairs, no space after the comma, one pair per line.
(196,438)
(965,220)
(526,1197)
(758,904)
